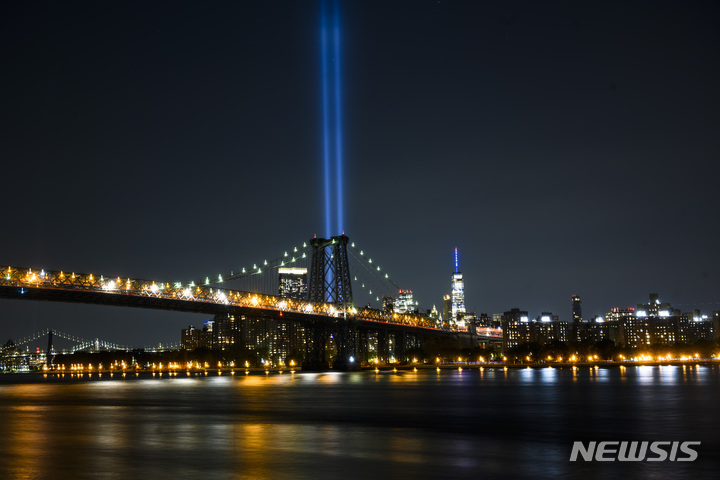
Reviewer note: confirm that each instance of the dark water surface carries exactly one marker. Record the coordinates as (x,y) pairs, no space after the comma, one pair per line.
(425,425)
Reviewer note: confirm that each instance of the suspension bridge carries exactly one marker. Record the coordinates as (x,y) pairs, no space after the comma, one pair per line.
(324,307)
(39,349)
(76,344)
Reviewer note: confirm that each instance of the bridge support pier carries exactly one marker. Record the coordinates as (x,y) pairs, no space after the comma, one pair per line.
(346,340)
(329,283)
(48,355)
(316,336)
(400,343)
(363,346)
(383,345)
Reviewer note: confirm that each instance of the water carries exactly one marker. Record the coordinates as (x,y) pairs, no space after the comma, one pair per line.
(470,424)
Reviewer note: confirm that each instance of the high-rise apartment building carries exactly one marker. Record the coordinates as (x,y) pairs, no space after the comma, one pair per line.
(404,302)
(191,338)
(576,309)
(292,283)
(388,305)
(655,308)
(274,340)
(447,308)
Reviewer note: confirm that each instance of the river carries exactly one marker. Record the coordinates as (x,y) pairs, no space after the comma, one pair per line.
(489,423)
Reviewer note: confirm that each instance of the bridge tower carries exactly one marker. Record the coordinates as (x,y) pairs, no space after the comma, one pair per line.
(330,273)
(48,355)
(329,282)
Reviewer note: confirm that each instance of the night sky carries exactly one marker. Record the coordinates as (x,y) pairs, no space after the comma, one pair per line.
(563,147)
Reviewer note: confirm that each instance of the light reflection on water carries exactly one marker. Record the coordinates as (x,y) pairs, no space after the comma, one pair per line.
(494,423)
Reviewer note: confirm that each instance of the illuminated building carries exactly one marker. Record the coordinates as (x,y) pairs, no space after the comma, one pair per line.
(458,294)
(193,338)
(654,308)
(447,309)
(485,320)
(517,328)
(546,332)
(667,331)
(576,309)
(292,283)
(388,305)
(634,331)
(546,317)
(227,331)
(469,321)
(515,315)
(618,314)
(273,340)
(699,327)
(514,333)
(208,330)
(636,328)
(404,302)
(190,338)
(597,331)
(651,324)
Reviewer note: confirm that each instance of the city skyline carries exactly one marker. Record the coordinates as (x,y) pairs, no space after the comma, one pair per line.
(564,149)
(291,284)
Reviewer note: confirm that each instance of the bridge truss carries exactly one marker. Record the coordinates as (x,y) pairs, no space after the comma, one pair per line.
(40,284)
(80,344)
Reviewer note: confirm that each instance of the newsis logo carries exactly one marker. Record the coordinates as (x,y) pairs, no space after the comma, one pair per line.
(617,451)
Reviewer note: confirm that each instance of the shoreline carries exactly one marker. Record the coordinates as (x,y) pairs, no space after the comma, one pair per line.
(502,365)
(215,372)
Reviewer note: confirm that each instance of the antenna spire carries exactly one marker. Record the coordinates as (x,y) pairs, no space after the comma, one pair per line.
(456,260)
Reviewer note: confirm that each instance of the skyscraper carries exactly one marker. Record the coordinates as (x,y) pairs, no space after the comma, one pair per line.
(388,305)
(576,309)
(404,302)
(292,283)
(457,293)
(447,308)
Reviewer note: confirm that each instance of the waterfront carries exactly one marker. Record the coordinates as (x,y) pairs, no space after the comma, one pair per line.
(491,423)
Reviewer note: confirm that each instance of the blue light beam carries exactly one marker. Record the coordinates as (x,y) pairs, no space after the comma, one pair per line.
(332,118)
(338,123)
(326,116)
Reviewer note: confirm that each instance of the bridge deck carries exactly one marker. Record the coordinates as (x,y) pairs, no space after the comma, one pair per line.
(29,284)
